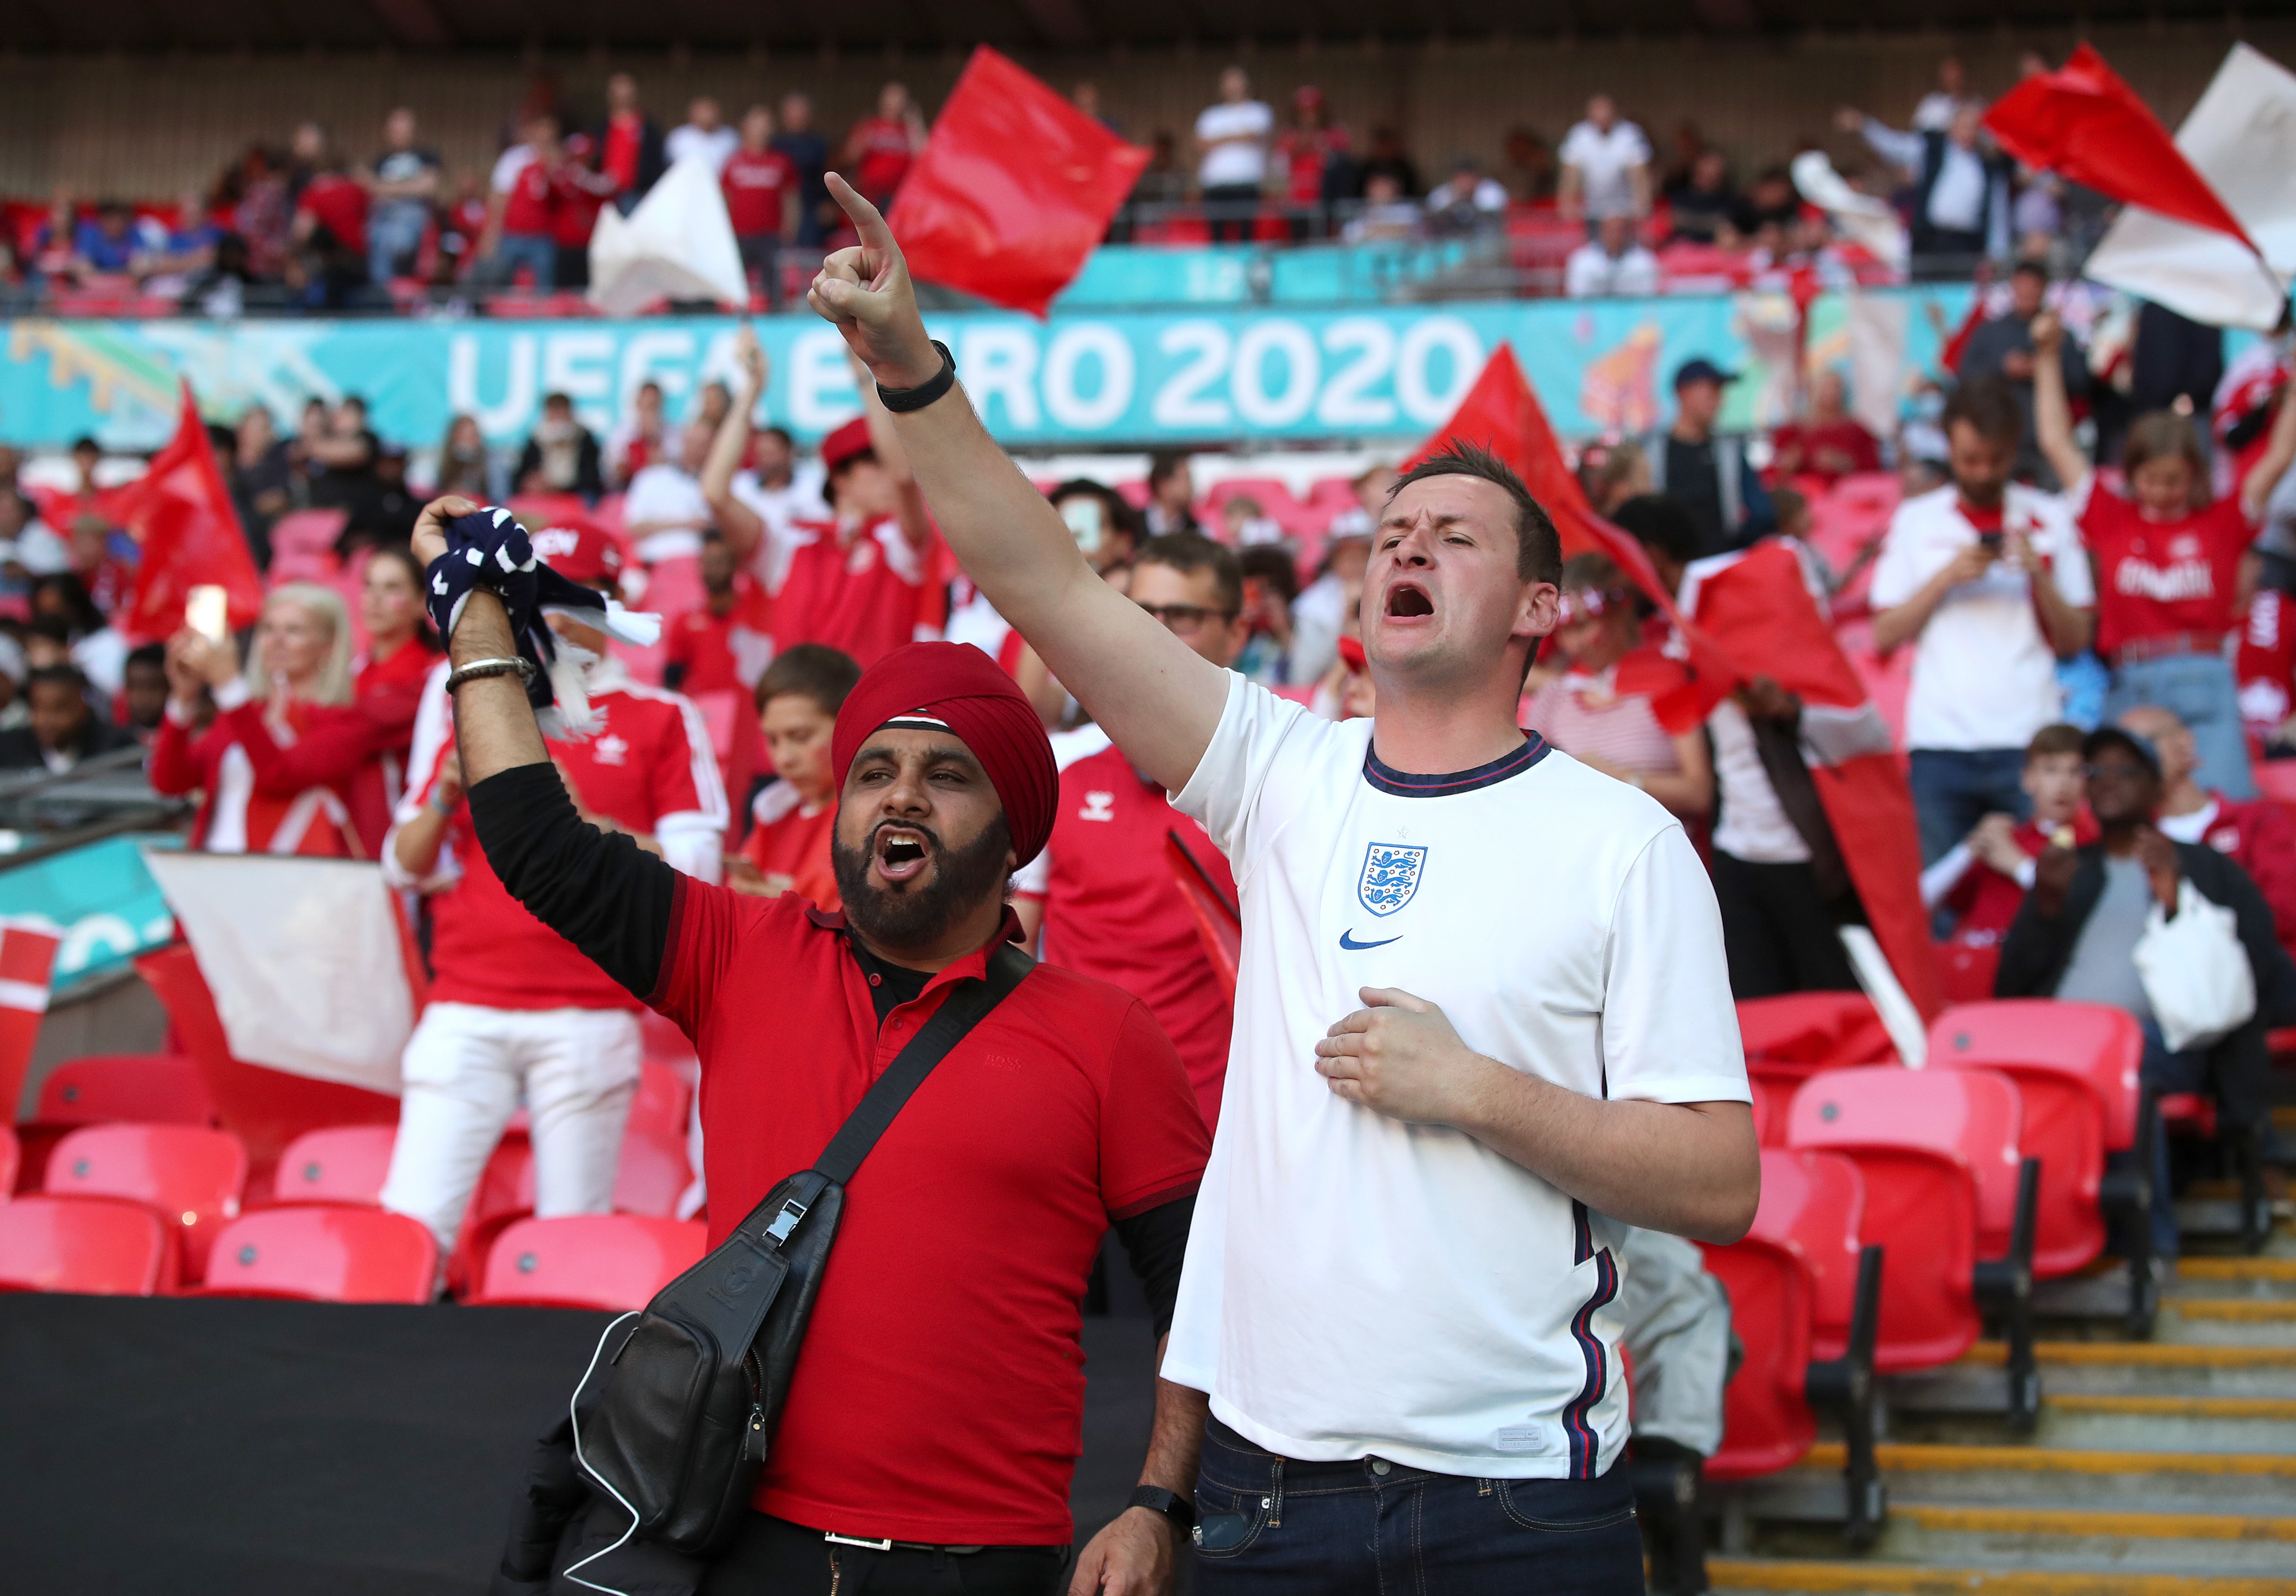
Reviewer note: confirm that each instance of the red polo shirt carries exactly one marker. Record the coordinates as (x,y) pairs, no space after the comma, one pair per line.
(940,1393)
(1113,911)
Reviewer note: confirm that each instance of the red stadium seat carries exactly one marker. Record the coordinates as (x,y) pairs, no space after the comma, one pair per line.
(10,1154)
(612,1260)
(2275,778)
(148,1088)
(654,1174)
(82,1244)
(2076,1068)
(190,1175)
(659,1107)
(1826,1030)
(1944,1187)
(325,1255)
(504,1193)
(344,1164)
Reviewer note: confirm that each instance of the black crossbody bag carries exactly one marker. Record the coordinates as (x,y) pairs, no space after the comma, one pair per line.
(675,1415)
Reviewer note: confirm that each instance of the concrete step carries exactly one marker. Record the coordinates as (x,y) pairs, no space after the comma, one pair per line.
(2075,1537)
(1888,1579)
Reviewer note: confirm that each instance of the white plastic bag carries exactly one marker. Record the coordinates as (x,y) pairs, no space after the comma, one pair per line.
(2195,971)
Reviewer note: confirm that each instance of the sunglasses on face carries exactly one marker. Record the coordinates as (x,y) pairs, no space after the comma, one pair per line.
(1187,619)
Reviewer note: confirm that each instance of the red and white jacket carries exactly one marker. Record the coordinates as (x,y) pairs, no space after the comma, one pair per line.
(290,783)
(648,767)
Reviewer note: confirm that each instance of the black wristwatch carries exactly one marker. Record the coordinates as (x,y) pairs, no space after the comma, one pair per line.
(1174,1506)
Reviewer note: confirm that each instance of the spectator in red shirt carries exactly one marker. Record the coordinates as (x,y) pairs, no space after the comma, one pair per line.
(1829,443)
(2173,570)
(704,647)
(330,234)
(1982,880)
(788,848)
(2259,837)
(579,192)
(942,1390)
(880,148)
(522,216)
(1102,891)
(629,143)
(388,675)
(761,199)
(1312,153)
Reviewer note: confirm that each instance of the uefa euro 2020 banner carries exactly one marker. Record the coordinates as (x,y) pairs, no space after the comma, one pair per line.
(1077,381)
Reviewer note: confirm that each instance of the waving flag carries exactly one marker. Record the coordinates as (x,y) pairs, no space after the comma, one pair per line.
(2083,122)
(1503,415)
(1014,190)
(182,514)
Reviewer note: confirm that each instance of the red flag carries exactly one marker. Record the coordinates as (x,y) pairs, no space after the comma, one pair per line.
(2083,122)
(28,957)
(1758,608)
(1503,415)
(182,514)
(1014,190)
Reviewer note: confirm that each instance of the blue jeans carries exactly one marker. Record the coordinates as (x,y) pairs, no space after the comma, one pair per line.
(1954,788)
(2164,1074)
(1269,1526)
(537,251)
(2200,690)
(394,232)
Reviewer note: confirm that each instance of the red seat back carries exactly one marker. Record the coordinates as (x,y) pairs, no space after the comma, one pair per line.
(504,1193)
(81,1244)
(151,1088)
(654,1174)
(659,1106)
(1767,1423)
(1918,1138)
(344,1164)
(612,1260)
(190,1175)
(2101,1046)
(1829,1030)
(1814,1206)
(325,1255)
(10,1152)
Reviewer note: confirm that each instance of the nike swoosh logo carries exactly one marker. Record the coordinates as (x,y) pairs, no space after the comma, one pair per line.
(1347,941)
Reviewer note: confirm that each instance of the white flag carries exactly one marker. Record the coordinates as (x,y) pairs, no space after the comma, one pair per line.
(2242,137)
(303,956)
(677,244)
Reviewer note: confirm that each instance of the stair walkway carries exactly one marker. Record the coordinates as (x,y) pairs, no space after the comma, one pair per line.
(2165,1468)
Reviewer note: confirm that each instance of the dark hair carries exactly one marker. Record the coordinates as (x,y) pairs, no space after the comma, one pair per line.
(69,676)
(54,628)
(2030,268)
(780,432)
(1163,463)
(1989,406)
(1661,522)
(813,669)
(1189,553)
(2058,739)
(81,615)
(1273,565)
(153,654)
(1538,546)
(85,442)
(1122,518)
(566,400)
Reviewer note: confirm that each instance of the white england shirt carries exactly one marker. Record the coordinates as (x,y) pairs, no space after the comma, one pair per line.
(1355,1286)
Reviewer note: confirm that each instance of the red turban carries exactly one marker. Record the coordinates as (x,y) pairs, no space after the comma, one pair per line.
(956,685)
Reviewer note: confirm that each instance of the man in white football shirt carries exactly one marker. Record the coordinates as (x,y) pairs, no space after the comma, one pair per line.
(1483,1020)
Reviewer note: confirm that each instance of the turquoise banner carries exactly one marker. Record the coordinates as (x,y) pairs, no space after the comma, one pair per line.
(1080,379)
(99,900)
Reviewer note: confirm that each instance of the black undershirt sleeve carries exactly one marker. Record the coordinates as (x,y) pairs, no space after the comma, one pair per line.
(1156,1241)
(601,891)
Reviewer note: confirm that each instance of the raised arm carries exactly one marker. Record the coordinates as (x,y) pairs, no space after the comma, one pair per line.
(2279,454)
(1158,699)
(885,443)
(2053,410)
(740,526)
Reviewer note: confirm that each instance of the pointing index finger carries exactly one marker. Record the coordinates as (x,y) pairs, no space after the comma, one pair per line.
(868,223)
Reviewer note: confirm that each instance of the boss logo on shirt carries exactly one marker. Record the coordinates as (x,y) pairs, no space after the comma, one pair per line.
(1098,806)
(1390,876)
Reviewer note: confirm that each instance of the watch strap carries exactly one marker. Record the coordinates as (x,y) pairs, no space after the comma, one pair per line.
(1180,1509)
(902,400)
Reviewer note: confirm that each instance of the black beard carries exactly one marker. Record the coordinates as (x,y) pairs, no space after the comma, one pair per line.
(921,916)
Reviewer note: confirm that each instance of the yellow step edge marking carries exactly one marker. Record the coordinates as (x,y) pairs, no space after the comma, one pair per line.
(2080,1521)
(1926,1458)
(2177,1407)
(2233,1310)
(2154,1355)
(1899,1579)
(2237,1269)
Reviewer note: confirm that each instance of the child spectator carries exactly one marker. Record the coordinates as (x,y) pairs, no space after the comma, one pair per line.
(787,849)
(1983,879)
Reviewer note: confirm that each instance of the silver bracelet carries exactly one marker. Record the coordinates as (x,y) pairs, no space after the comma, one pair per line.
(478,668)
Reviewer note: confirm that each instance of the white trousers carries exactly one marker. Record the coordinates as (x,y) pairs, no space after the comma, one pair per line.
(465,1070)
(1678,1335)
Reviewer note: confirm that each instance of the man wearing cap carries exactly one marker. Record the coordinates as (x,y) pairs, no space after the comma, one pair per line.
(516,1014)
(1706,472)
(2077,934)
(861,581)
(931,1434)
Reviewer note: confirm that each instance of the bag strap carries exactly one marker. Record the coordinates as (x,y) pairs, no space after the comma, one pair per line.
(958,1013)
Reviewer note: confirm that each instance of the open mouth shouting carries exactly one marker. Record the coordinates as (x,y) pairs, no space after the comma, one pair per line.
(1407,601)
(901,852)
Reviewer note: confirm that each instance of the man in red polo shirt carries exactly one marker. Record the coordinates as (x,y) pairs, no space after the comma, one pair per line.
(932,1429)
(1103,888)
(516,1012)
(859,581)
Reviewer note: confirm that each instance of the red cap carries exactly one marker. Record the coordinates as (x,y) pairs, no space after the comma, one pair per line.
(579,550)
(848,441)
(1351,649)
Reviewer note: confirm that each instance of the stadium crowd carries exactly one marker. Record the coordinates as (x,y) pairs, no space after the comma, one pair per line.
(336,220)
